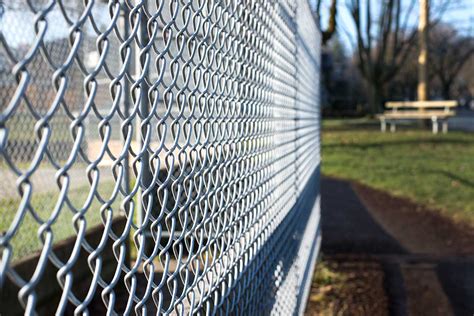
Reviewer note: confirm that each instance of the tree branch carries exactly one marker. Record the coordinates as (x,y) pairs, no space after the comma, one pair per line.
(328,33)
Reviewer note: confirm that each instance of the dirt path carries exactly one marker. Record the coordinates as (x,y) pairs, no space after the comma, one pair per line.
(417,228)
(428,260)
(344,287)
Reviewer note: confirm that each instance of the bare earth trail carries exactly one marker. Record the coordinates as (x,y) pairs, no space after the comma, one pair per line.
(427,259)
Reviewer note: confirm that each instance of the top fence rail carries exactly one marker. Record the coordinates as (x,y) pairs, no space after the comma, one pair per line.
(158,156)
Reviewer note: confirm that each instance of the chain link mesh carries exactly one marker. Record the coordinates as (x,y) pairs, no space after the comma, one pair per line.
(195,121)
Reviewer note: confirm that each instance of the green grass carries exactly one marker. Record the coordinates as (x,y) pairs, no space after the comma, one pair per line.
(433,170)
(26,241)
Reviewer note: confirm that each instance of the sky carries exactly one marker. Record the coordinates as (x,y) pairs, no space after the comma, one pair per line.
(17,28)
(461,16)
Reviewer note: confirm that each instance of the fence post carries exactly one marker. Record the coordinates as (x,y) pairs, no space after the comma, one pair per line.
(147,176)
(126,103)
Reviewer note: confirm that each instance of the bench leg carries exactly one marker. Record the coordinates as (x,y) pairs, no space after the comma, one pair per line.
(445,126)
(383,125)
(393,128)
(434,122)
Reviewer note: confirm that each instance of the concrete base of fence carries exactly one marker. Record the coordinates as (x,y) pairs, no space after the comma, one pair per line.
(48,290)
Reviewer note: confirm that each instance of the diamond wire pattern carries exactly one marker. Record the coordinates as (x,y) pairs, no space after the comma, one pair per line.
(197,121)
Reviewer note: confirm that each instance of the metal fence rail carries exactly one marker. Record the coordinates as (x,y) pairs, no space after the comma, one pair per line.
(193,123)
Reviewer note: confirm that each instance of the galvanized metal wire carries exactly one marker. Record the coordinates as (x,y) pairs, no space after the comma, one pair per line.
(194,121)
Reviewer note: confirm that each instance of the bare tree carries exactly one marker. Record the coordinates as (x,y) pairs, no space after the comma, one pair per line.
(331,28)
(384,40)
(449,53)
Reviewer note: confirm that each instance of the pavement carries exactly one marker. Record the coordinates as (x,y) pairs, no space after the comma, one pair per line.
(349,230)
(463,121)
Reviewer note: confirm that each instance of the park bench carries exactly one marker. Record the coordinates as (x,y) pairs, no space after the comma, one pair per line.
(437,111)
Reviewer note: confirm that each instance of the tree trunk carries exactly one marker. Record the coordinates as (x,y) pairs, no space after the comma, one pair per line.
(375,98)
(446,90)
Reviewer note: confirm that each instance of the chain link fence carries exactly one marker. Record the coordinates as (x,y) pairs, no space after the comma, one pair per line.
(195,123)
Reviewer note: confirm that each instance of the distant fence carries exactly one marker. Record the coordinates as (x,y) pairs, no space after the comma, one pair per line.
(158,156)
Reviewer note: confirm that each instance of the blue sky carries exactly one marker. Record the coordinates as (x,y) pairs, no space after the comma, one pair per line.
(460,15)
(17,30)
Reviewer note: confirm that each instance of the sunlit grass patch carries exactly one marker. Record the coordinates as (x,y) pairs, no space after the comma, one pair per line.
(434,170)
(26,240)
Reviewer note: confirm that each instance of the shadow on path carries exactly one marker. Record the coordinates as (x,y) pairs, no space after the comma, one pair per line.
(349,229)
(457,279)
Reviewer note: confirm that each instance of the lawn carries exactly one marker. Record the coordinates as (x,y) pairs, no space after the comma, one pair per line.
(26,241)
(433,170)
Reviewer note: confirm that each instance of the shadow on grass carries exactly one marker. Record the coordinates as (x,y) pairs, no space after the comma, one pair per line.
(350,126)
(439,141)
(372,125)
(453,177)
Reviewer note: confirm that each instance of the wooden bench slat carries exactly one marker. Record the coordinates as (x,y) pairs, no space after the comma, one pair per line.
(422,104)
(414,114)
